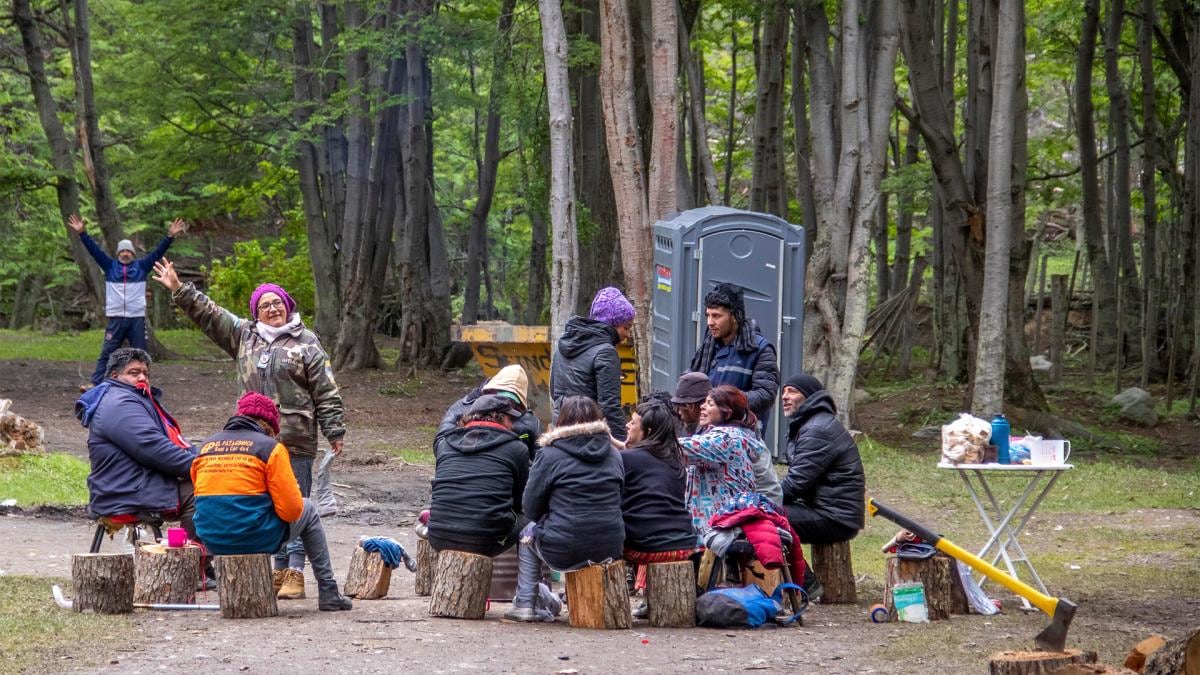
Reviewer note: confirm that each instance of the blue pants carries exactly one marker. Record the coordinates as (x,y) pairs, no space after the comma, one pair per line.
(120,329)
(292,555)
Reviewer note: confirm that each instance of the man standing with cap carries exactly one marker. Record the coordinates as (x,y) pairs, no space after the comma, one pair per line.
(825,488)
(511,382)
(124,289)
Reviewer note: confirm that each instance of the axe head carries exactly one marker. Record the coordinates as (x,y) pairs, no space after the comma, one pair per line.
(1054,637)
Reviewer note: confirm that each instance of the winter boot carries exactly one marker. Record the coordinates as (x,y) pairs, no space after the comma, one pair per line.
(329,599)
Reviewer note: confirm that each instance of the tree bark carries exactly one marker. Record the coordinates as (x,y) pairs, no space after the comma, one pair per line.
(695,81)
(597,596)
(102,582)
(933,572)
(1181,655)
(671,594)
(1036,663)
(833,566)
(368,578)
(1150,156)
(244,586)
(460,585)
(426,568)
(733,88)
(165,575)
(802,133)
(564,273)
(768,183)
(1060,306)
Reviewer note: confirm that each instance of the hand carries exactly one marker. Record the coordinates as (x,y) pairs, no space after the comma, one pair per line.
(164,273)
(176,228)
(337,447)
(76,223)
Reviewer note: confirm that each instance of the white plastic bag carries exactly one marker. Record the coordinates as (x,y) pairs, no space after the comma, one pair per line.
(964,439)
(323,490)
(979,601)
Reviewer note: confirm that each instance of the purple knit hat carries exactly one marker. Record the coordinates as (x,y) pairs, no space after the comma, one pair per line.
(288,303)
(611,307)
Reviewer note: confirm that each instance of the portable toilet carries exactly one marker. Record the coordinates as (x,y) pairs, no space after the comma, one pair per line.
(698,249)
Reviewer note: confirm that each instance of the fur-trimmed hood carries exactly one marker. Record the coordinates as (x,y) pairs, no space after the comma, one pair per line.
(589,442)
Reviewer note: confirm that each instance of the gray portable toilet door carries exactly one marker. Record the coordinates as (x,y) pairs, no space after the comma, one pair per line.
(749,259)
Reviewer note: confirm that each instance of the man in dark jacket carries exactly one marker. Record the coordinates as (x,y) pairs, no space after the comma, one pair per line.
(734,352)
(586,362)
(141,463)
(824,489)
(511,382)
(480,476)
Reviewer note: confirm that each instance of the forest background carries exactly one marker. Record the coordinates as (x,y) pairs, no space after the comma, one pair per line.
(961,168)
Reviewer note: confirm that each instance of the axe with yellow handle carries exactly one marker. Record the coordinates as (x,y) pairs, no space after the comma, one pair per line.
(1060,610)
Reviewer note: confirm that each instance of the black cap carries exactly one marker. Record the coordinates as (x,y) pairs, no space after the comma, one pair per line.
(691,388)
(492,404)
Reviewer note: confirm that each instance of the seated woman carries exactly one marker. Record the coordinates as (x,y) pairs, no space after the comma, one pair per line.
(721,455)
(479,477)
(573,499)
(658,525)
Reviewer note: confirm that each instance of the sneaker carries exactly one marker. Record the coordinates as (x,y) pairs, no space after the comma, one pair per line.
(814,590)
(209,584)
(548,600)
(641,611)
(277,579)
(522,614)
(293,585)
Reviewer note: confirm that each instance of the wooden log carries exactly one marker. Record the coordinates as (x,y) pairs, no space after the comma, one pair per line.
(460,585)
(165,575)
(1093,669)
(958,595)
(1178,656)
(426,567)
(102,582)
(244,586)
(933,572)
(369,578)
(671,594)
(1141,652)
(597,597)
(832,565)
(1036,663)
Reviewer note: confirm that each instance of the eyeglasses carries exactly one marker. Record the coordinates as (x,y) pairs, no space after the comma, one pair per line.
(274,304)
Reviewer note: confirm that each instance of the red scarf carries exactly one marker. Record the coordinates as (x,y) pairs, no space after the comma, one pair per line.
(172,427)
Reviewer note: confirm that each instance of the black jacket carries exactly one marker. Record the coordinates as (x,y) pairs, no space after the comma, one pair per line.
(825,472)
(656,517)
(527,428)
(574,494)
(586,364)
(478,481)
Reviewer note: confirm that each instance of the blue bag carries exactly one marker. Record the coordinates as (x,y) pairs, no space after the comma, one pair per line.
(745,607)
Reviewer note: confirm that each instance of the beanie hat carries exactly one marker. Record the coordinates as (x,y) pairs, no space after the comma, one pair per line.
(254,404)
(511,379)
(288,303)
(125,245)
(610,306)
(804,383)
(728,296)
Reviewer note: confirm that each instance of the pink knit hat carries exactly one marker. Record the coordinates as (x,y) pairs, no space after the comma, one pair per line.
(254,404)
(288,303)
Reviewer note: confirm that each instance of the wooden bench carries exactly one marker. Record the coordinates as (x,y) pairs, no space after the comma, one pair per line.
(460,585)
(832,565)
(598,597)
(244,586)
(671,594)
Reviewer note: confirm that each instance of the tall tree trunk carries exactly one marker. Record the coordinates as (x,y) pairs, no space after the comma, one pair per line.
(564,275)
(61,156)
(1149,194)
(729,127)
(802,141)
(1118,118)
(988,395)
(768,187)
(904,217)
(703,156)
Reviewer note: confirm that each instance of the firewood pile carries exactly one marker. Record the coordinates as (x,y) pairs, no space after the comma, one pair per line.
(18,436)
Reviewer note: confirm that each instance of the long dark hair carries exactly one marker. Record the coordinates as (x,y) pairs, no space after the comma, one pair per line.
(578,410)
(733,406)
(658,429)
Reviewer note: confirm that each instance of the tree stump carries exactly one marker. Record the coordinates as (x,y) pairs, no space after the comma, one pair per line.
(426,567)
(959,604)
(755,573)
(1142,651)
(102,582)
(933,572)
(369,578)
(1036,663)
(1178,656)
(244,586)
(597,597)
(671,594)
(460,585)
(831,563)
(1093,669)
(165,575)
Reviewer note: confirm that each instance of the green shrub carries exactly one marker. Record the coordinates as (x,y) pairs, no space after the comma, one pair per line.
(232,280)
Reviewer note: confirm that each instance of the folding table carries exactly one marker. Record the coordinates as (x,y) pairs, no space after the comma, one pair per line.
(1005,519)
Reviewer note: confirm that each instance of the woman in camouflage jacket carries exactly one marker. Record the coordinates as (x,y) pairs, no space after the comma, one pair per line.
(280,358)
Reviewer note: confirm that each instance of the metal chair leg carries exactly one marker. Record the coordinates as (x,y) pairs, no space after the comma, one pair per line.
(98,538)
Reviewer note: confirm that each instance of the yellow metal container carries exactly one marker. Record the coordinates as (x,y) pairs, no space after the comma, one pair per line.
(498,344)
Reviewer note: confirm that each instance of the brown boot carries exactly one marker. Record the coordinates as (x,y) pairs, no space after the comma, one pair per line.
(293,585)
(277,579)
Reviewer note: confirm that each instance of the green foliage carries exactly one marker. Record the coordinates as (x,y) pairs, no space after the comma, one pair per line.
(283,262)
(84,346)
(36,633)
(36,480)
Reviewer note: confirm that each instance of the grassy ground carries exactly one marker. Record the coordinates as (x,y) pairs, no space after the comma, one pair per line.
(85,346)
(55,479)
(38,636)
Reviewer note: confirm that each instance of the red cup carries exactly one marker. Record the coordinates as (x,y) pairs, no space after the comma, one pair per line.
(176,537)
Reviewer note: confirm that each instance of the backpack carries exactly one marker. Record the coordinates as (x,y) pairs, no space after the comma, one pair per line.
(745,607)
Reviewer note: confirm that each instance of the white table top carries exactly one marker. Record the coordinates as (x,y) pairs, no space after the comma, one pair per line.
(1006,467)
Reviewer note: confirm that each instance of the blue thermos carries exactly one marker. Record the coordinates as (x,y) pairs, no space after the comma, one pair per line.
(1000,439)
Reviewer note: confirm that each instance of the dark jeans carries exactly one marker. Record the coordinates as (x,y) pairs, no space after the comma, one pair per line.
(815,528)
(120,329)
(292,555)
(309,530)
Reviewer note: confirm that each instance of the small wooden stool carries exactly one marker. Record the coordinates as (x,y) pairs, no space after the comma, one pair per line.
(102,582)
(831,564)
(460,586)
(244,586)
(426,568)
(671,594)
(165,575)
(934,572)
(598,597)
(369,578)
